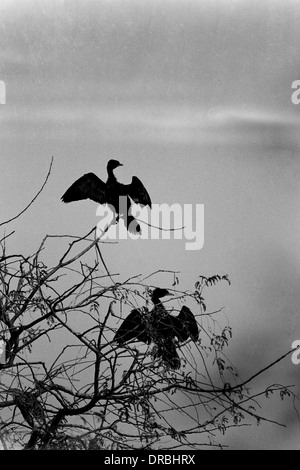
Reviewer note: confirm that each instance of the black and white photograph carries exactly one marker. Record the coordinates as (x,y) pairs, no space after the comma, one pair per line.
(149,228)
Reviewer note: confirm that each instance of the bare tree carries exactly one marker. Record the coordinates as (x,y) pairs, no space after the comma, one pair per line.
(66,384)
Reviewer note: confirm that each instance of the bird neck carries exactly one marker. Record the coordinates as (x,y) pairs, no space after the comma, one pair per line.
(111,176)
(156,301)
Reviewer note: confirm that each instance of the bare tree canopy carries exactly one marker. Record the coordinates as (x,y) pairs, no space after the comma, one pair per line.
(68,382)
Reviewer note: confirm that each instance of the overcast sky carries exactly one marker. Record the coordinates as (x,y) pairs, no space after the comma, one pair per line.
(193,97)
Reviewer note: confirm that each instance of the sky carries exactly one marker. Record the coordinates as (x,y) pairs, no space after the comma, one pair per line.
(194,98)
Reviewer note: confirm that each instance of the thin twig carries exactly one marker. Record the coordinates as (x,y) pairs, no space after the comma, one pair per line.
(35,197)
(160,228)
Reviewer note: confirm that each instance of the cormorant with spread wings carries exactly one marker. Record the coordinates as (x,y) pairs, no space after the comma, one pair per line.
(159,327)
(89,186)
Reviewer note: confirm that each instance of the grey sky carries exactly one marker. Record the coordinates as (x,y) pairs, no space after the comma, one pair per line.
(194,97)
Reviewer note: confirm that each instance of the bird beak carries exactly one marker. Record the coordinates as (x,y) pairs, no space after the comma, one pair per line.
(120,164)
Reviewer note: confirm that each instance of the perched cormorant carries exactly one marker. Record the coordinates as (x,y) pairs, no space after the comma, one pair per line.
(138,325)
(89,186)
(183,326)
(159,327)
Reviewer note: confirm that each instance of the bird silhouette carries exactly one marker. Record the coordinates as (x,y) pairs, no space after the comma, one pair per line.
(116,194)
(160,327)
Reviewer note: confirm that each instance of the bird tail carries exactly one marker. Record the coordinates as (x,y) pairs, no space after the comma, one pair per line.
(167,352)
(133,226)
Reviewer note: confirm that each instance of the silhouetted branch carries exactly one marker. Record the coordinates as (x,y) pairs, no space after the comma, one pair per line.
(35,197)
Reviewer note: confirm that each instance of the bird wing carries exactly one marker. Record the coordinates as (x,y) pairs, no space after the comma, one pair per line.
(89,186)
(133,327)
(137,191)
(189,321)
(179,329)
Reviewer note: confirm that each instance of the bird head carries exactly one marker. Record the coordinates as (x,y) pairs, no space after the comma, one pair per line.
(112,164)
(161,292)
(158,293)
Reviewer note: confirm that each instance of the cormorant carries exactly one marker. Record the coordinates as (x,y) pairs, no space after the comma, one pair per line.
(89,186)
(159,327)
